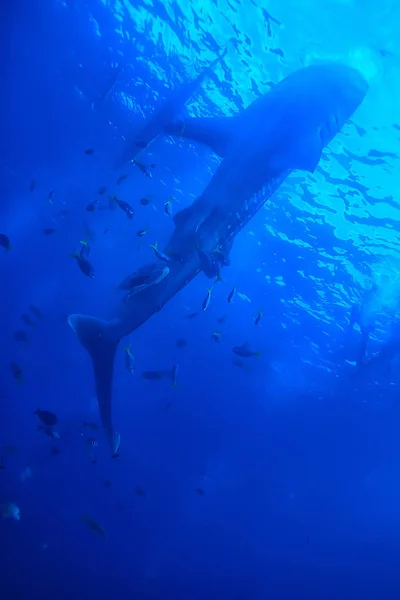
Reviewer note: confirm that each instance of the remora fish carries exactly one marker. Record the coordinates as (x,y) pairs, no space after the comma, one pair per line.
(157,123)
(284,130)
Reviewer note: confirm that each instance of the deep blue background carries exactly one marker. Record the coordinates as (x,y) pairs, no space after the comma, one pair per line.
(300,472)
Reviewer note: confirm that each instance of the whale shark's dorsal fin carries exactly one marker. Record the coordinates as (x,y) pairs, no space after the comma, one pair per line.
(216,132)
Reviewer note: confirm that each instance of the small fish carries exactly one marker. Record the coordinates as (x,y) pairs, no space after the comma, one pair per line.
(116,444)
(200,491)
(63,213)
(20,336)
(160,254)
(127,208)
(222,319)
(54,451)
(129,360)
(217,336)
(141,144)
(142,232)
(48,418)
(27,320)
(16,372)
(91,207)
(258,317)
(50,196)
(192,315)
(146,200)
(245,351)
(207,299)
(94,526)
(181,343)
(232,295)
(102,190)
(244,297)
(32,185)
(168,206)
(140,491)
(142,167)
(90,425)
(121,178)
(5,242)
(107,483)
(9,510)
(49,431)
(174,375)
(38,314)
(89,151)
(49,231)
(85,249)
(84,265)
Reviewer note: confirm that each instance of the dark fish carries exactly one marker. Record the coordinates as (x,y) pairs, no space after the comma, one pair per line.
(181,343)
(107,483)
(84,266)
(222,319)
(140,491)
(200,491)
(160,254)
(146,200)
(16,372)
(32,185)
(85,249)
(89,151)
(192,315)
(239,363)
(5,242)
(258,317)
(142,167)
(48,418)
(166,406)
(91,441)
(217,336)
(207,299)
(141,232)
(63,213)
(245,351)
(127,208)
(168,206)
(91,207)
(102,190)
(38,314)
(49,231)
(54,451)
(140,144)
(121,178)
(94,526)
(129,360)
(232,295)
(20,336)
(27,320)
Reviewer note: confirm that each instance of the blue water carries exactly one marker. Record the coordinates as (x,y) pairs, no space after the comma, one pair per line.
(277,478)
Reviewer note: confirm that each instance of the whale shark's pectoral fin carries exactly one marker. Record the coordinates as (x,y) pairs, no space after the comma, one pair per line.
(303,154)
(217,133)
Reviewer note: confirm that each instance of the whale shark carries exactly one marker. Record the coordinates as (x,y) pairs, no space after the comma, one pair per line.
(156,124)
(282,131)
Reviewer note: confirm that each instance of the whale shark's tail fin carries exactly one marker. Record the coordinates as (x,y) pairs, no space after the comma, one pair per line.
(94,335)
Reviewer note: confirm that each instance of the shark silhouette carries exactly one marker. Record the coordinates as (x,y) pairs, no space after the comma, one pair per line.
(285,130)
(156,124)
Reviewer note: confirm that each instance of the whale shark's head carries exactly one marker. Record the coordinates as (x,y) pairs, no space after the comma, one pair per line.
(337,91)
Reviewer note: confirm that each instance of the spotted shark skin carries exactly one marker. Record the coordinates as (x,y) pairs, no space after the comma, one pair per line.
(285,130)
